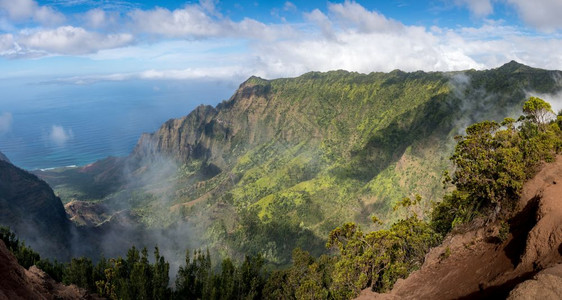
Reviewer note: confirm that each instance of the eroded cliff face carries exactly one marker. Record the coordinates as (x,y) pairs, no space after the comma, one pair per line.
(31,209)
(252,116)
(476,264)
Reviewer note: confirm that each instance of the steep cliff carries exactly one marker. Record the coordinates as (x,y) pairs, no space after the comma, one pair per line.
(31,209)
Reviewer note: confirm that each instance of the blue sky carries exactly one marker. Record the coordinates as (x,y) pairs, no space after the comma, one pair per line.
(86,41)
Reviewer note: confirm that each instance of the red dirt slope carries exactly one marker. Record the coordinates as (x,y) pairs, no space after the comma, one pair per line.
(477,265)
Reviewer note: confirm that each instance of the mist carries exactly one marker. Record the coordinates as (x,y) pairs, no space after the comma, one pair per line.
(476,104)
(140,214)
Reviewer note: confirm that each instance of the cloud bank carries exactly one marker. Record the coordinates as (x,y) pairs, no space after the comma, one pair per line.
(542,14)
(345,35)
(26,10)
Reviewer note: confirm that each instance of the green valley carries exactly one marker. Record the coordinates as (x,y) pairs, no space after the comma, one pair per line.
(285,161)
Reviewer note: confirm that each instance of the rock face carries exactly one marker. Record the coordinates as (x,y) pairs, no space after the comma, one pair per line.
(19,283)
(547,284)
(85,213)
(31,209)
(479,265)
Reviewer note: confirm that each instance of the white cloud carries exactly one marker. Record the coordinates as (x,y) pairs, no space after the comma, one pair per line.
(95,18)
(226,73)
(479,8)
(196,41)
(289,6)
(360,40)
(195,73)
(6,120)
(352,15)
(98,18)
(322,21)
(189,21)
(210,7)
(201,21)
(347,37)
(414,49)
(542,14)
(72,40)
(22,10)
(59,135)
(6,42)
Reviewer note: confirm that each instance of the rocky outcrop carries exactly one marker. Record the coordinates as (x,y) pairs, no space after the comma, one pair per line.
(84,213)
(31,209)
(219,134)
(477,264)
(547,284)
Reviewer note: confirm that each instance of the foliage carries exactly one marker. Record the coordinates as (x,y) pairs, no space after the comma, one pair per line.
(134,277)
(538,110)
(79,271)
(455,208)
(503,232)
(492,161)
(198,280)
(296,155)
(379,258)
(304,150)
(306,278)
(27,257)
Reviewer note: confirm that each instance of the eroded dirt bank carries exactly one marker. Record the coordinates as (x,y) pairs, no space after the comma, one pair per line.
(477,265)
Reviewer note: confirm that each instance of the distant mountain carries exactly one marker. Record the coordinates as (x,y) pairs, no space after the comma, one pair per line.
(31,209)
(284,161)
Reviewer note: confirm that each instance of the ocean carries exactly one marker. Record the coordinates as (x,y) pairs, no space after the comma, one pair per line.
(47,125)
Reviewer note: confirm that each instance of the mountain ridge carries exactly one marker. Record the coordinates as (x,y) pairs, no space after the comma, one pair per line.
(309,152)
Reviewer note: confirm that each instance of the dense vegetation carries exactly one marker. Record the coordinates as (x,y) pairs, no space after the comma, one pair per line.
(491,163)
(493,160)
(285,161)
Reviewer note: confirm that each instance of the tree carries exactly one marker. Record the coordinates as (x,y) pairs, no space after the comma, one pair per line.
(489,164)
(141,278)
(250,278)
(194,279)
(492,161)
(79,271)
(227,280)
(538,110)
(160,277)
(379,258)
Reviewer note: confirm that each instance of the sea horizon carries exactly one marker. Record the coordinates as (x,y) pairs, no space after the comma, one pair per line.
(51,125)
